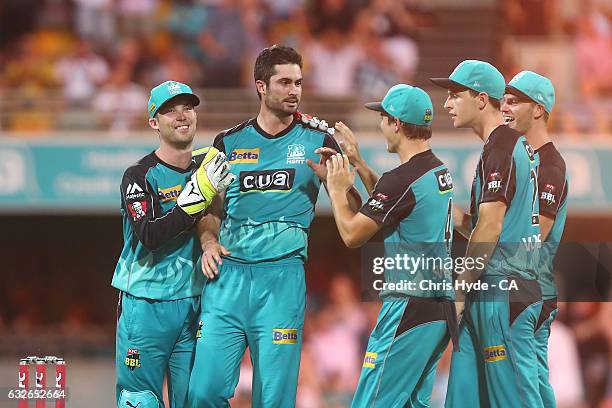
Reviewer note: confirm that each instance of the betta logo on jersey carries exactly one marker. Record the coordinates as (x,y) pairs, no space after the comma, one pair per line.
(548,194)
(132,359)
(169,194)
(279,180)
(494,182)
(284,336)
(369,361)
(495,353)
(138,209)
(445,181)
(244,156)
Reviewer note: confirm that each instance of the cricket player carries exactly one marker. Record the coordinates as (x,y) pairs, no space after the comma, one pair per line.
(158,273)
(496,366)
(255,245)
(412,205)
(526,106)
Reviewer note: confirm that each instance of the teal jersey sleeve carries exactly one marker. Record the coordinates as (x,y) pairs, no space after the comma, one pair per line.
(269,208)
(553,185)
(413,203)
(161,252)
(507,172)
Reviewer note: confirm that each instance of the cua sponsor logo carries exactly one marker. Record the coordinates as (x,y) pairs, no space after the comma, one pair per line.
(267,180)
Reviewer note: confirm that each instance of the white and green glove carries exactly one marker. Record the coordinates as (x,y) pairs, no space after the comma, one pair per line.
(211,178)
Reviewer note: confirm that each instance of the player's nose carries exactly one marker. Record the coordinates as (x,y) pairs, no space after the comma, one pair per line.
(447,104)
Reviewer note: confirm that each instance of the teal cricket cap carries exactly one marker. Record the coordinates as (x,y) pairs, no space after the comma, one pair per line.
(538,88)
(407,103)
(163,92)
(476,75)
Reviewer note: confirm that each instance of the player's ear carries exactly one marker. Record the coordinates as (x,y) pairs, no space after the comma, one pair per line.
(153,122)
(261,86)
(483,100)
(398,124)
(538,111)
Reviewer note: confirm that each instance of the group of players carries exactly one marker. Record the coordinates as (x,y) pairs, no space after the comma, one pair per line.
(215,241)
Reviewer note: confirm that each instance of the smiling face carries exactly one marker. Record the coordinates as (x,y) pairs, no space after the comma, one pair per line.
(462,107)
(283,93)
(518,112)
(176,121)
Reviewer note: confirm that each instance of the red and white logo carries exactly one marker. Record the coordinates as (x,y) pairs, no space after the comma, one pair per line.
(138,209)
(494,182)
(381,196)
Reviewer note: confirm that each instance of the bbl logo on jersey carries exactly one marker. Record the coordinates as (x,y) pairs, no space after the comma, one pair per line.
(296,154)
(495,353)
(138,209)
(445,181)
(548,194)
(369,361)
(284,336)
(494,182)
(279,180)
(132,359)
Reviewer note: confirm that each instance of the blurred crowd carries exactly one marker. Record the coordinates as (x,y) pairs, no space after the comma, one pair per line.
(571,42)
(88,64)
(106,54)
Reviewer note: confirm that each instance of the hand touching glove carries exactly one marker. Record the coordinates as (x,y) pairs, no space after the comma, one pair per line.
(211,177)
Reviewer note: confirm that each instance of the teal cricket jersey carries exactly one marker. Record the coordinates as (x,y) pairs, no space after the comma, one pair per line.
(507,171)
(413,202)
(161,252)
(269,208)
(553,189)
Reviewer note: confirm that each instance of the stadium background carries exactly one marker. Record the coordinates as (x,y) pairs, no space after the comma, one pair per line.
(74,80)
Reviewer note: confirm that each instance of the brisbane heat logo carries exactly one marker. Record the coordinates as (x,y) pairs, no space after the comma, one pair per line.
(279,180)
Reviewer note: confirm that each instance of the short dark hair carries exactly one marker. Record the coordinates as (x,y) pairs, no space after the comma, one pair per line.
(495,102)
(271,56)
(412,131)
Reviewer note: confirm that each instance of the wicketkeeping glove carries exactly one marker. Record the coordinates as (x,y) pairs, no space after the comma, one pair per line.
(211,177)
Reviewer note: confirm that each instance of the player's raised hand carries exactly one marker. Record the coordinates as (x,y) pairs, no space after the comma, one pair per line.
(319,168)
(340,177)
(211,258)
(349,144)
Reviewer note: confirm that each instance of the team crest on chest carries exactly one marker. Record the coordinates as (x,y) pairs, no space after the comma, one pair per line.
(296,154)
